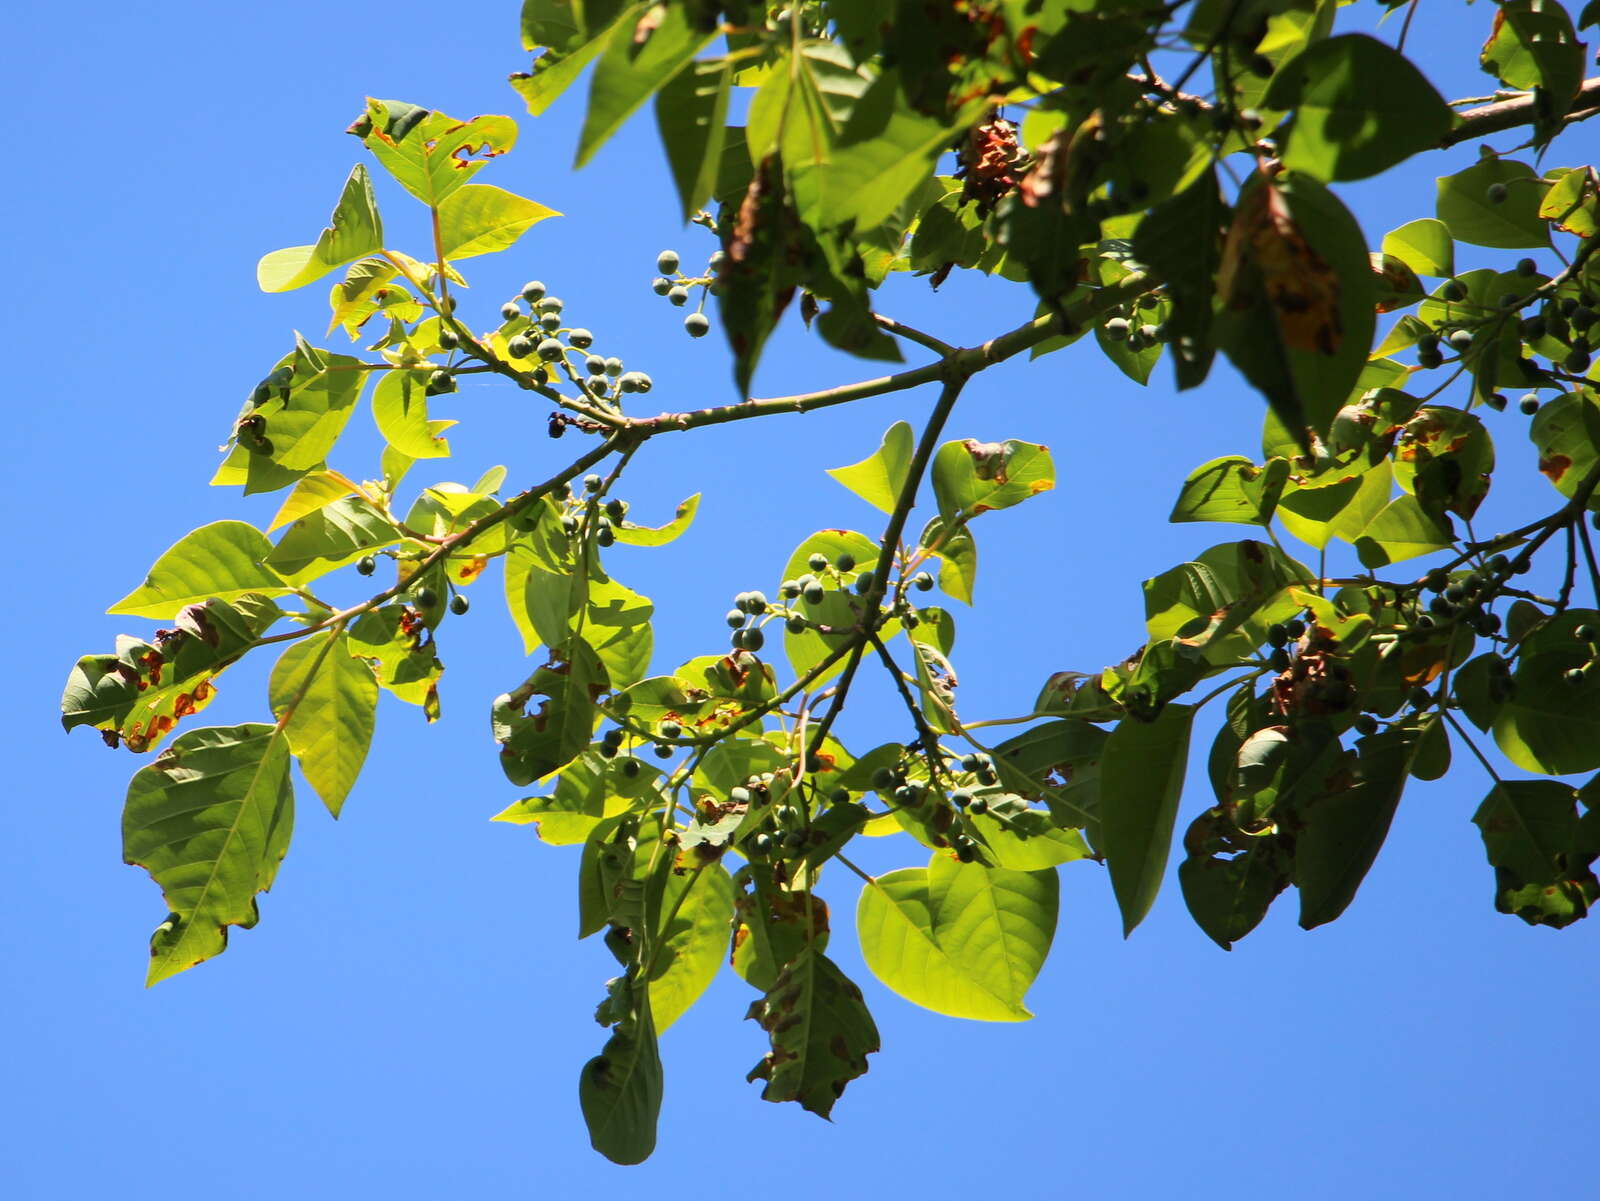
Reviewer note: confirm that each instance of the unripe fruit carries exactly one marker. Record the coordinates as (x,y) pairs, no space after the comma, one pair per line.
(519,347)
(864,583)
(442,381)
(1453,290)
(552,304)
(1277,636)
(961,798)
(1582,317)
(678,295)
(698,325)
(615,509)
(425,597)
(594,364)
(883,778)
(660,286)
(613,736)
(613,367)
(1584,633)
(1532,328)
(447,339)
(605,536)
(1366,725)
(670,729)
(1495,193)
(1295,628)
(789,589)
(1526,267)
(735,618)
(922,581)
(532,291)
(663,751)
(1429,359)
(817,562)
(550,350)
(1529,404)
(1280,660)
(1574,675)
(630,768)
(813,594)
(761,844)
(1421,698)
(1117,329)
(592,482)
(569,525)
(1436,580)
(667,262)
(845,561)
(795,624)
(510,310)
(978,807)
(1496,401)
(367,565)
(755,602)
(1459,339)
(459,604)
(1577,361)
(549,322)
(581,338)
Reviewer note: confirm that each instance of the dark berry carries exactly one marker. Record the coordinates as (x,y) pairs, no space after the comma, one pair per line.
(532,291)
(817,562)
(667,262)
(1459,339)
(678,295)
(1117,329)
(1366,725)
(425,597)
(442,381)
(1529,404)
(698,325)
(922,581)
(367,565)
(795,624)
(510,310)
(1495,193)
(581,338)
(550,350)
(447,339)
(1453,291)
(519,347)
(459,604)
(735,618)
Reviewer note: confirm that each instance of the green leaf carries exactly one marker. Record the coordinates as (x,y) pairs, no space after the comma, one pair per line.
(1230,878)
(692,118)
(1340,504)
(140,693)
(532,745)
(971,477)
(480,219)
(1343,830)
(1541,853)
(958,556)
(354,230)
(1141,780)
(692,946)
(885,150)
(1231,489)
(1551,724)
(407,666)
(1466,205)
(1360,106)
(400,407)
(330,537)
(570,36)
(820,1030)
(958,938)
(1534,47)
(311,493)
(633,67)
(222,560)
(1561,430)
(1402,530)
(588,791)
(326,699)
(644,535)
(616,624)
(620,1089)
(879,478)
(1424,245)
(210,820)
(430,154)
(296,427)
(1182,239)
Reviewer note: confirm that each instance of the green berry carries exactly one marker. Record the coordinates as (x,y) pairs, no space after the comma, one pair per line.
(735,618)
(1577,361)
(459,604)
(532,291)
(883,778)
(961,798)
(613,367)
(698,325)
(678,295)
(755,602)
(550,350)
(642,381)
(594,364)
(569,525)
(839,796)
(818,562)
(1421,698)
(615,509)
(1459,339)
(425,597)
(1453,291)
(795,624)
(667,262)
(1295,628)
(761,844)
(1429,359)
(1495,193)
(1574,675)
(605,536)
(1532,328)
(1529,404)
(1497,401)
(1584,633)
(663,751)
(788,589)
(922,582)
(510,310)
(660,286)
(581,338)
(592,482)
(1117,329)
(812,593)
(1436,580)
(1280,660)
(864,583)
(1277,636)
(845,561)
(519,347)
(978,807)
(442,381)
(1527,267)
(630,767)
(367,565)
(670,729)
(549,322)
(613,736)
(552,304)
(447,339)
(1366,725)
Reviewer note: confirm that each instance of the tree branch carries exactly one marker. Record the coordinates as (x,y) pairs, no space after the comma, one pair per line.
(1518,110)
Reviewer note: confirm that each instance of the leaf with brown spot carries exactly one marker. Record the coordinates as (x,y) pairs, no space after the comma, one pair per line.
(820,1030)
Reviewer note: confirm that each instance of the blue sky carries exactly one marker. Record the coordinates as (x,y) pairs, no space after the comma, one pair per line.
(409,1017)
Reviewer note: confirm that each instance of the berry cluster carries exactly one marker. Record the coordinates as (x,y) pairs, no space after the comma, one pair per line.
(675,286)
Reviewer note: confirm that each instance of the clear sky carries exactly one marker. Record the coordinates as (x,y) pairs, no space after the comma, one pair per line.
(409,1017)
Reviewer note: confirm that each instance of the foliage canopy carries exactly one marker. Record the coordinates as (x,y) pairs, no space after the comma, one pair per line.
(1160,176)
